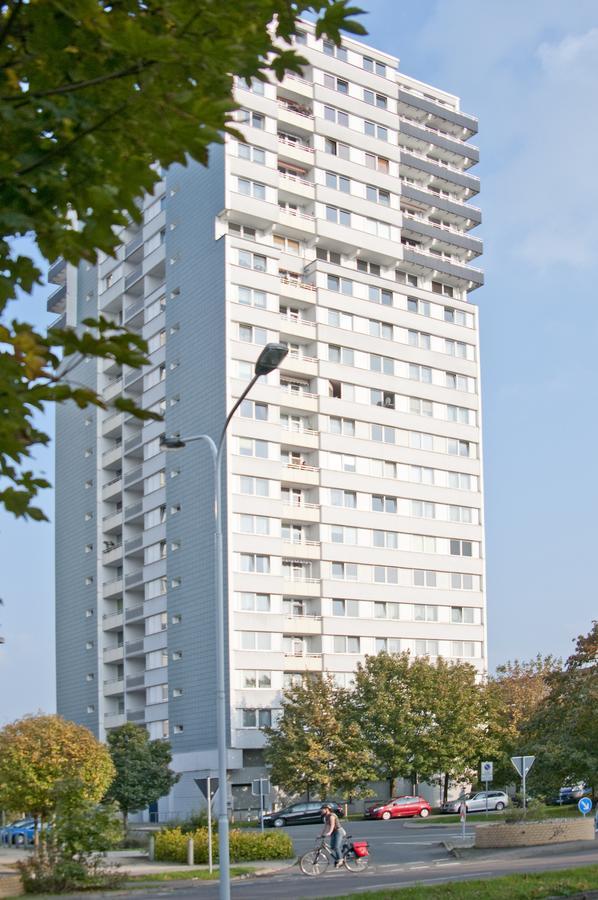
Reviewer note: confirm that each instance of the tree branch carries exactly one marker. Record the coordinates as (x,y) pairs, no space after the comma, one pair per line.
(80,85)
(10,21)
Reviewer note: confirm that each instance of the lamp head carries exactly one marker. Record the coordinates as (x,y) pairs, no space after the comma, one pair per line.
(270,358)
(171,442)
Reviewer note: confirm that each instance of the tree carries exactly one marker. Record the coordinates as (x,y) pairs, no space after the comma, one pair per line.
(563,730)
(39,753)
(95,95)
(142,767)
(315,748)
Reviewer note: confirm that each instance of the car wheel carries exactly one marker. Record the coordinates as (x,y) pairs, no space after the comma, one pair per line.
(386,816)
(500,805)
(278,823)
(19,839)
(424,813)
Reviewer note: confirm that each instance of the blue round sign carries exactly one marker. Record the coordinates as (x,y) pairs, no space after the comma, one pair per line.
(584,805)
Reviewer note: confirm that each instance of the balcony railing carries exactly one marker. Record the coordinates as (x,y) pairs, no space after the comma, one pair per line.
(297,108)
(283,139)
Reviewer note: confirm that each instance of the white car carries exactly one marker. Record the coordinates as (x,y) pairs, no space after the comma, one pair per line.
(479,802)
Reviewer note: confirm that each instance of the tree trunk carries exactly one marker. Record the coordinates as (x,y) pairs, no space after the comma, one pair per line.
(125,825)
(391,784)
(446,786)
(414,784)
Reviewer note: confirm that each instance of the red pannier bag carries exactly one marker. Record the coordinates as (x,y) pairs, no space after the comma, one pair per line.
(361,848)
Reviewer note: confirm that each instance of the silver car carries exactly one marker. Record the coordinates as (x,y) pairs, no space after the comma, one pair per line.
(495,800)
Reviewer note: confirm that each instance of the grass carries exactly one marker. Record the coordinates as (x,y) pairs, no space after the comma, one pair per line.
(552,812)
(199,874)
(534,886)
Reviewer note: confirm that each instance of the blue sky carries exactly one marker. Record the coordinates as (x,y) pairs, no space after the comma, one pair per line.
(530,72)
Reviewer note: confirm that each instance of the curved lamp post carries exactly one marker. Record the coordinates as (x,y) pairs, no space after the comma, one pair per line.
(269,359)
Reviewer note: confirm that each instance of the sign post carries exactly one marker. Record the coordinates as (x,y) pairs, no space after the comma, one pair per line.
(523,764)
(584,806)
(261,788)
(487,774)
(208,786)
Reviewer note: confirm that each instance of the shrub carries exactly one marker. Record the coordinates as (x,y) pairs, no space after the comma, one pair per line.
(171,845)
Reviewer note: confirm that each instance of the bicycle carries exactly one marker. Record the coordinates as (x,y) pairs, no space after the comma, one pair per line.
(354,856)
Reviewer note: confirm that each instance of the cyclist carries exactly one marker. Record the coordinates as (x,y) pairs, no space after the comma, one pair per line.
(335,831)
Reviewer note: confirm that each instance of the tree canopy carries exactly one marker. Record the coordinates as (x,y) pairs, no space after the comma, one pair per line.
(95,96)
(39,754)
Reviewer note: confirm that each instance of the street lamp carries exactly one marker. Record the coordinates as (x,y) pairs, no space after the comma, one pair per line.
(269,359)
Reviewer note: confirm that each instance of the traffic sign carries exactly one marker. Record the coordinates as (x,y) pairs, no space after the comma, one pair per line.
(487,771)
(202,784)
(523,764)
(260,787)
(585,805)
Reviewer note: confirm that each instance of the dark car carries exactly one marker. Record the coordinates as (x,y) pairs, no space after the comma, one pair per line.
(399,807)
(300,814)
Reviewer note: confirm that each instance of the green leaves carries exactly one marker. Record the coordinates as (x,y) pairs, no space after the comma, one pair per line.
(92,94)
(143,772)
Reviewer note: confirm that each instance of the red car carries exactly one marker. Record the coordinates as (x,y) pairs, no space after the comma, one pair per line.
(400,806)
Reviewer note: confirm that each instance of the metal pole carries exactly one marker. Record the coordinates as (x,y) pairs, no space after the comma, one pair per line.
(209,824)
(486,783)
(261,807)
(523,783)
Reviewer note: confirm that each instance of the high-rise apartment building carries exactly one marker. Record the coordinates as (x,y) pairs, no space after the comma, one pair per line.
(341,226)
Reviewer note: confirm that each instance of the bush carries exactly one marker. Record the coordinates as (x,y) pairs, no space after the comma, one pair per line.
(535,809)
(171,845)
(49,871)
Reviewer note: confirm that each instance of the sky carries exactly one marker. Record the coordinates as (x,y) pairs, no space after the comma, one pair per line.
(529,71)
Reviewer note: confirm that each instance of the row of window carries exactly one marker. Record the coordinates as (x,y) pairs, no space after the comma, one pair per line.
(300,646)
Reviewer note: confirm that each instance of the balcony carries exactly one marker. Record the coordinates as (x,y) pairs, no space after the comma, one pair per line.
(112,457)
(112,588)
(296,116)
(472,276)
(292,148)
(113,654)
(133,310)
(134,511)
(425,134)
(301,587)
(134,244)
(112,553)
(308,662)
(295,289)
(304,549)
(301,512)
(303,624)
(113,687)
(114,720)
(297,224)
(112,390)
(57,271)
(133,546)
(134,613)
(135,681)
(56,302)
(112,424)
(421,194)
(295,185)
(136,715)
(301,475)
(112,621)
(135,579)
(112,488)
(134,648)
(132,281)
(134,478)
(112,522)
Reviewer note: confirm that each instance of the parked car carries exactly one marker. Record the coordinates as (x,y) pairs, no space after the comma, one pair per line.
(300,814)
(478,802)
(17,833)
(569,795)
(399,807)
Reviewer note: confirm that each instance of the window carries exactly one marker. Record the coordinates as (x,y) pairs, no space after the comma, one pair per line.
(375,99)
(342,426)
(340,319)
(420,373)
(248,117)
(258,487)
(372,65)
(383,503)
(250,678)
(421,307)
(388,645)
(377,195)
(462,582)
(461,548)
(380,229)
(455,348)
(342,355)
(156,694)
(336,84)
(419,407)
(342,462)
(253,335)
(458,382)
(418,339)
(251,297)
(328,255)
(423,613)
(250,260)
(456,316)
(462,615)
(386,610)
(254,563)
(253,85)
(377,131)
(380,295)
(344,571)
(338,182)
(256,718)
(426,648)
(345,608)
(301,38)
(157,731)
(444,289)
(331,49)
(386,539)
(256,640)
(154,552)
(287,244)
(339,497)
(251,409)
(423,509)
(338,216)
(254,154)
(342,285)
(463,648)
(386,575)
(346,644)
(342,534)
(378,163)
(458,448)
(336,148)
(249,602)
(382,364)
(424,578)
(331,114)
(406,278)
(156,659)
(363,265)
(249,524)
(384,434)
(291,533)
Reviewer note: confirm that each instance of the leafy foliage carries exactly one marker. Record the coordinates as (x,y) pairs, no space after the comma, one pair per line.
(94,93)
(142,768)
(40,753)
(171,845)
(315,747)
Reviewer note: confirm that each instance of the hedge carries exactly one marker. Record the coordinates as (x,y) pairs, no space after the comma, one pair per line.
(171,845)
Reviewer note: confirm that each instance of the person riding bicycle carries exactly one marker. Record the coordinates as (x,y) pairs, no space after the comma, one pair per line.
(335,831)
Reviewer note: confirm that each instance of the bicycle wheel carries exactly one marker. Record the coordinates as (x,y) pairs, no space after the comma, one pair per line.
(314,862)
(356,863)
